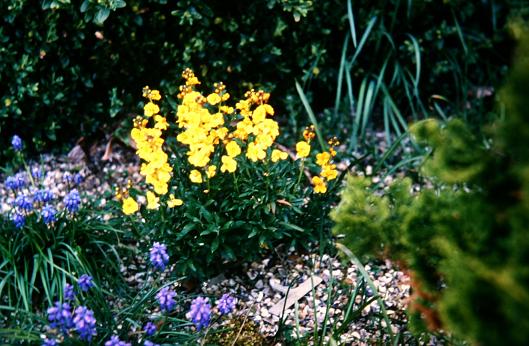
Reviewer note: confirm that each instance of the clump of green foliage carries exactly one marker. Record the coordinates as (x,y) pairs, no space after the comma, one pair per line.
(465,239)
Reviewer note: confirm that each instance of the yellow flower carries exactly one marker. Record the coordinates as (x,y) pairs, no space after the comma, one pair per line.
(195,176)
(213,99)
(155,95)
(226,109)
(233,149)
(174,202)
(192,81)
(211,171)
(278,155)
(302,149)
(322,158)
(130,206)
(228,164)
(225,96)
(329,172)
(161,122)
(255,152)
(319,185)
(150,109)
(152,201)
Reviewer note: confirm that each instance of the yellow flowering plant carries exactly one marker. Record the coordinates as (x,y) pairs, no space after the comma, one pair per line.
(218,187)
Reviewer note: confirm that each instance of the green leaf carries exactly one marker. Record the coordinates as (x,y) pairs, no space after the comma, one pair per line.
(102,15)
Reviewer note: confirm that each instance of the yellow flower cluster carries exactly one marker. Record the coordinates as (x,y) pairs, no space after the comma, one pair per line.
(207,123)
(149,147)
(328,169)
(149,143)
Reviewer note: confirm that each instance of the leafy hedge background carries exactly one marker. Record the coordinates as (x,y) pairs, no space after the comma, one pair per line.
(75,68)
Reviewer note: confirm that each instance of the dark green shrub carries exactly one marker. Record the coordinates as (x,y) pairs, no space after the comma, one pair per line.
(66,75)
(465,239)
(71,68)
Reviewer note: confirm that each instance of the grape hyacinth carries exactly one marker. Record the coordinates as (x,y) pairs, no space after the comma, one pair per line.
(18,219)
(60,316)
(85,282)
(68,292)
(85,323)
(36,172)
(78,178)
(159,257)
(114,341)
(149,328)
(72,201)
(150,343)
(11,183)
(49,342)
(67,177)
(24,202)
(166,299)
(226,304)
(16,143)
(43,196)
(200,312)
(49,214)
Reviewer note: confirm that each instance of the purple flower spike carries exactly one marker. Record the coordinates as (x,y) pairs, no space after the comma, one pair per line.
(78,178)
(226,304)
(114,341)
(18,219)
(60,316)
(68,292)
(149,328)
(200,312)
(159,257)
(150,343)
(49,342)
(72,201)
(16,143)
(166,299)
(43,196)
(24,203)
(49,214)
(85,282)
(85,323)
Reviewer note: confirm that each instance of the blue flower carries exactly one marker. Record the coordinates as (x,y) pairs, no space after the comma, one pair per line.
(200,312)
(85,323)
(78,178)
(149,328)
(16,143)
(43,196)
(18,219)
(11,183)
(49,342)
(49,214)
(60,316)
(36,172)
(72,201)
(150,343)
(226,304)
(21,180)
(24,202)
(68,292)
(67,177)
(114,341)
(159,257)
(166,299)
(85,282)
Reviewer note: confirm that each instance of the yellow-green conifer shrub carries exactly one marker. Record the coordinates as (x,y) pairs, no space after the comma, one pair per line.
(465,241)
